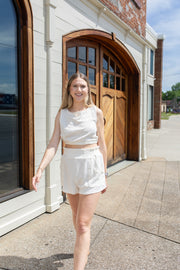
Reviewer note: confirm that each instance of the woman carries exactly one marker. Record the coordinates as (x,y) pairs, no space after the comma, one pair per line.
(81,126)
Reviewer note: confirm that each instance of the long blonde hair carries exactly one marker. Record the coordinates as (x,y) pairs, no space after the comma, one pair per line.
(67,101)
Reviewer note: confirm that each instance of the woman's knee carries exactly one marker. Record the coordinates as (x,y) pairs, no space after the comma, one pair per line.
(82,226)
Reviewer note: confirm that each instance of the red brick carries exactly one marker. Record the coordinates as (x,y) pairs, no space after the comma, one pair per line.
(132,15)
(158,83)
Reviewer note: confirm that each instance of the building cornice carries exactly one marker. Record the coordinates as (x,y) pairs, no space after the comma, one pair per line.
(104,10)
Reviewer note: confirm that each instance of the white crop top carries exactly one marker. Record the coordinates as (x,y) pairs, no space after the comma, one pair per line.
(79,128)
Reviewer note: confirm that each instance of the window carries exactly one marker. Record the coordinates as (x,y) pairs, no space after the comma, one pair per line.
(150,102)
(82,59)
(151,62)
(9,99)
(16,98)
(137,3)
(113,76)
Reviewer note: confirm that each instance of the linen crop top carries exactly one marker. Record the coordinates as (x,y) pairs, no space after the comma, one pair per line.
(79,128)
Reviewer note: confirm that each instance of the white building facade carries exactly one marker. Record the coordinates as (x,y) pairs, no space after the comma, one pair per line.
(69,36)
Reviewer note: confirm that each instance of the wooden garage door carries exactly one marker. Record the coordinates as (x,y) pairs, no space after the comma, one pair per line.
(109,90)
(113,101)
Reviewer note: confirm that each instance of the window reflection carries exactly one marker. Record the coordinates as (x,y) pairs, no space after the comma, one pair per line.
(150,102)
(105,79)
(92,76)
(152,62)
(105,62)
(72,52)
(82,54)
(92,56)
(112,86)
(9,115)
(112,65)
(83,69)
(71,69)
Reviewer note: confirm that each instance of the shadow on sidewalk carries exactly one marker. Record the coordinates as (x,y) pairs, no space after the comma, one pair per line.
(20,263)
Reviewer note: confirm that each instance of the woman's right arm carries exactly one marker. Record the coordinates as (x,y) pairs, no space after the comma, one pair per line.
(50,151)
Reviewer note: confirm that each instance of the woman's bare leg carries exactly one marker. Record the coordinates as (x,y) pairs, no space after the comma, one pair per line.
(74,201)
(83,207)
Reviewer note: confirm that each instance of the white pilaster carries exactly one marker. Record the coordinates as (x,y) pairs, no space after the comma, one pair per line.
(144,100)
(53,188)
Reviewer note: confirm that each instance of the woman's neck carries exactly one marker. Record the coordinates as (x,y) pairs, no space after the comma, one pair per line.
(78,107)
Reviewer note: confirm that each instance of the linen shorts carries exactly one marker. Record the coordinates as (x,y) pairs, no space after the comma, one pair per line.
(82,171)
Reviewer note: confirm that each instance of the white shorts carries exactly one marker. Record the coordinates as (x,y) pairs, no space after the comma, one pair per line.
(82,171)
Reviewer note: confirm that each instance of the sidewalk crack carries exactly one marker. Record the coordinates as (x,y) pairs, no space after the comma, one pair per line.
(133,227)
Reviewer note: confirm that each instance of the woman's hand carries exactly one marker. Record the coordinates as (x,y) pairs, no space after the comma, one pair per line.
(36,179)
(104,190)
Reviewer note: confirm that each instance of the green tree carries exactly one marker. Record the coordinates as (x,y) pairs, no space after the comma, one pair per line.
(169,95)
(176,87)
(174,93)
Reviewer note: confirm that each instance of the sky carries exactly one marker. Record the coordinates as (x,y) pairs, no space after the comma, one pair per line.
(164,17)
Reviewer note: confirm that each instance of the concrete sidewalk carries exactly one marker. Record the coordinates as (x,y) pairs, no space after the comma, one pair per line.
(165,142)
(136,225)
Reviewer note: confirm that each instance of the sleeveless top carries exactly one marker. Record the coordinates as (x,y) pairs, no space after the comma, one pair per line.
(79,128)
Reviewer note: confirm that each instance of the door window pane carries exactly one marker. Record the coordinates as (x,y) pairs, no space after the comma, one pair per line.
(9,113)
(92,56)
(112,86)
(112,65)
(105,62)
(123,84)
(117,83)
(105,79)
(117,70)
(71,69)
(83,69)
(82,54)
(72,52)
(92,76)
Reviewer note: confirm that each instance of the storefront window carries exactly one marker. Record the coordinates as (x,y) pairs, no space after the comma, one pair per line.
(9,99)
(150,103)
(151,62)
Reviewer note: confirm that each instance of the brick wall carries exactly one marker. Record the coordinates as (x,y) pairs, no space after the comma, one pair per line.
(132,12)
(158,83)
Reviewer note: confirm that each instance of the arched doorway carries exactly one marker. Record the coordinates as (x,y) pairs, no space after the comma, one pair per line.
(114,79)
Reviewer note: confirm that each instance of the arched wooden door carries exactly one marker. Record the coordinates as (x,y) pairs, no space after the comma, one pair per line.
(109,90)
(113,102)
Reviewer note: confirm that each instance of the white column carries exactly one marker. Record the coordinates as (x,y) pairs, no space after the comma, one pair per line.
(144,105)
(53,189)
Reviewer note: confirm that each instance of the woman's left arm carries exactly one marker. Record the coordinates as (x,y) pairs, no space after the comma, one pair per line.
(101,139)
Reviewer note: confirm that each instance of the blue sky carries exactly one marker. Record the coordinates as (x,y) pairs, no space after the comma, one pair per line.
(164,17)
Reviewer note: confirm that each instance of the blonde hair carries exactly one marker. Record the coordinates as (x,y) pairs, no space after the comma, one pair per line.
(67,101)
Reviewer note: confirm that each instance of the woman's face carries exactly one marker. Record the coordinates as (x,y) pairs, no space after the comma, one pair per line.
(79,90)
